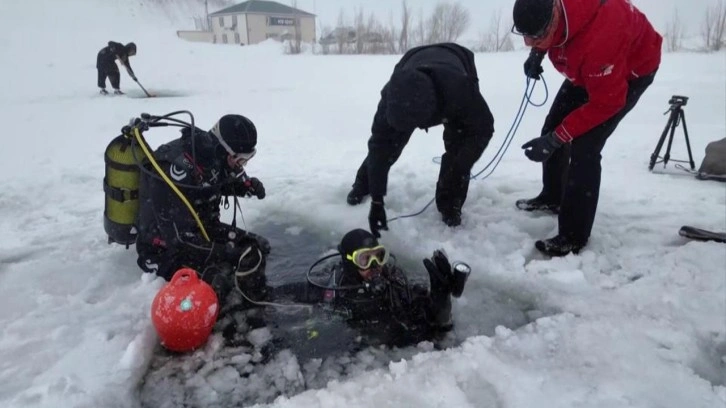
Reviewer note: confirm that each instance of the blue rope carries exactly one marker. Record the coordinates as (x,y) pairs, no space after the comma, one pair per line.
(526,100)
(499,155)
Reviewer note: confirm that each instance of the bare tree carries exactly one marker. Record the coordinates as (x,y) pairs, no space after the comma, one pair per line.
(455,22)
(447,23)
(419,32)
(713,29)
(497,39)
(405,22)
(376,37)
(673,34)
(294,44)
(392,35)
(326,33)
(433,29)
(360,31)
(340,35)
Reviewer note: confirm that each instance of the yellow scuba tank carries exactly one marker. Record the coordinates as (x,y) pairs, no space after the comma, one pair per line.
(121,187)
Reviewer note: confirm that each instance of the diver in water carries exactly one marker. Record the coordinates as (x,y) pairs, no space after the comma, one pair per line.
(374,295)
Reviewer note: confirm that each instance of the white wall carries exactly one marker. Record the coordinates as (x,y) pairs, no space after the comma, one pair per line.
(196,36)
(234,27)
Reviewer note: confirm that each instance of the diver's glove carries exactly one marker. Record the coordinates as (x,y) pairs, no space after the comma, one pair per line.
(255,188)
(443,277)
(439,270)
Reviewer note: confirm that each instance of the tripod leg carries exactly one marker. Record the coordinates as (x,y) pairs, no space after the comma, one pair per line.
(674,123)
(654,156)
(688,142)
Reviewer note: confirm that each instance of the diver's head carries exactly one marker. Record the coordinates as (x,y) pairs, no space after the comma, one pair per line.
(236,136)
(360,252)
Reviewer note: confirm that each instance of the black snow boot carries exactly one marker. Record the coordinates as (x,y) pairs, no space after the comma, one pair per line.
(558,246)
(451,217)
(538,203)
(356,195)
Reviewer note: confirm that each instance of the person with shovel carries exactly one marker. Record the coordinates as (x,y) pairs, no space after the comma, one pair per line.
(106,65)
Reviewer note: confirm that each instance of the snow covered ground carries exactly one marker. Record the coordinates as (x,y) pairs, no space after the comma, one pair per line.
(638,319)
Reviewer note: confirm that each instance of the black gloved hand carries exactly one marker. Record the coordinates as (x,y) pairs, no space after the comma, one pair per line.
(441,281)
(440,274)
(541,148)
(255,188)
(533,64)
(377,218)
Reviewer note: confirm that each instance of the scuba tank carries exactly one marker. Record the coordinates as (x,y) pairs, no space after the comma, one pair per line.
(121,187)
(123,159)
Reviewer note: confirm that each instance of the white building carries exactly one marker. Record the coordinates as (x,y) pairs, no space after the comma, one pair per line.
(255,21)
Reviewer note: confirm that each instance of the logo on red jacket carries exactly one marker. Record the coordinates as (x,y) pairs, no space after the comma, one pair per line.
(605,70)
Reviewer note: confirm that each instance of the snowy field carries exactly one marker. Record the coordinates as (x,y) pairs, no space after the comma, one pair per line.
(638,319)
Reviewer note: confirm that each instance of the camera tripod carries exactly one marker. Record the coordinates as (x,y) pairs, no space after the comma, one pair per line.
(676,118)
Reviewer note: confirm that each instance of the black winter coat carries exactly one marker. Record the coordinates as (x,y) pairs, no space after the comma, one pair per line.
(461,109)
(106,59)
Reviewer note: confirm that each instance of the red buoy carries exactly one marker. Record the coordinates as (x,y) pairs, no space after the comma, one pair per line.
(184,311)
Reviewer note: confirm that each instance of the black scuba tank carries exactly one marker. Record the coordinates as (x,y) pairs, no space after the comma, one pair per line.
(121,188)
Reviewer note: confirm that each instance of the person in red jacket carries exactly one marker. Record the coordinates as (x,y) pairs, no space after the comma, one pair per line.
(609,53)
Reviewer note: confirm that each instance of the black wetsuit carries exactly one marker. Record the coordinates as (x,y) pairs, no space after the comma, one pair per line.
(169,237)
(389,308)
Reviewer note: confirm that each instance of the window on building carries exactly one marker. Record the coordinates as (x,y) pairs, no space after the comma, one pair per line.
(221,21)
(234,20)
(236,38)
(224,38)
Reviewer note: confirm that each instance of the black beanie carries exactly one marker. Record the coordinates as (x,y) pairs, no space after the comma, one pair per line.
(410,100)
(354,240)
(238,132)
(532,16)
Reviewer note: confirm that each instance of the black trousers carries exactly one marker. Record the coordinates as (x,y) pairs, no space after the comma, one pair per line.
(111,72)
(453,184)
(571,176)
(361,176)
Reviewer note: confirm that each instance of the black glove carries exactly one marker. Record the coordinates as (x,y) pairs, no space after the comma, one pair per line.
(377,218)
(541,148)
(255,188)
(441,278)
(533,64)
(440,274)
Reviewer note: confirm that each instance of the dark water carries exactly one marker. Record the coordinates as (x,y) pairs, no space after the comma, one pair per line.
(294,250)
(257,355)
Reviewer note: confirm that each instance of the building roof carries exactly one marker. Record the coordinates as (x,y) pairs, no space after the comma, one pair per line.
(261,7)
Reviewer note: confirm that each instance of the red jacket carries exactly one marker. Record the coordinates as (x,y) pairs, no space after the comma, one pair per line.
(602,45)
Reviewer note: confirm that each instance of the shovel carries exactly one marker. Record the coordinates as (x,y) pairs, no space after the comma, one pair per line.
(143,89)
